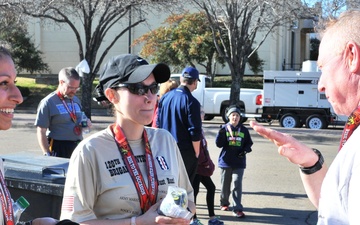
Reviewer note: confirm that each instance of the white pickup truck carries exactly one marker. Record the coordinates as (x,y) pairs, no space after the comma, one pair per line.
(216,100)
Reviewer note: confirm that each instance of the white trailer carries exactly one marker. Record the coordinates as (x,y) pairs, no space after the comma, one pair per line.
(292,98)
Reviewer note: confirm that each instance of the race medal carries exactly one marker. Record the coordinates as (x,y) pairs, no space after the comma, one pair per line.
(77,130)
(147,193)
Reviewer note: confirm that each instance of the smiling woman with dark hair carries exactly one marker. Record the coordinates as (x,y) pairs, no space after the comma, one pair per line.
(10,97)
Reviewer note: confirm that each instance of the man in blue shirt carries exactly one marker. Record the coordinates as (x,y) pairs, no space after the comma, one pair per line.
(179,113)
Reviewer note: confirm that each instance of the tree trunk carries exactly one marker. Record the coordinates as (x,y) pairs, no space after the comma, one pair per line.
(86,95)
(236,75)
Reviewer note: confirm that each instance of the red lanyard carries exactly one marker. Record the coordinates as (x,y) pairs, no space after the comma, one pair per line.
(352,123)
(6,202)
(71,113)
(147,196)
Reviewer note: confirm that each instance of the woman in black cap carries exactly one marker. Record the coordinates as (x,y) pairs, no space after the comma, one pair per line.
(119,175)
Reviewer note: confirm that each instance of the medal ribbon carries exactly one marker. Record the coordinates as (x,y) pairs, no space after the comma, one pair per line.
(71,113)
(6,202)
(228,126)
(351,124)
(147,196)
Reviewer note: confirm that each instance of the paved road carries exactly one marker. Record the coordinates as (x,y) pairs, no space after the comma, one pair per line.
(273,193)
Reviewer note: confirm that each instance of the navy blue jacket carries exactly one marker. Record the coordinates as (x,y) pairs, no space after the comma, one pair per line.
(234,146)
(179,113)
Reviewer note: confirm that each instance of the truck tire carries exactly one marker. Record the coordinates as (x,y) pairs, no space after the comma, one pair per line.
(289,120)
(208,117)
(223,114)
(243,120)
(316,122)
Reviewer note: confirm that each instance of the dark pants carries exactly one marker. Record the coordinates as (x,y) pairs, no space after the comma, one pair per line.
(191,163)
(210,192)
(62,149)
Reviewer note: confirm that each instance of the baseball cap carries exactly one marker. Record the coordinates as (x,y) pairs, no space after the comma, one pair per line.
(128,69)
(190,72)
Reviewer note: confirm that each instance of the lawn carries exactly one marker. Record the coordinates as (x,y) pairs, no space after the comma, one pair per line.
(32,92)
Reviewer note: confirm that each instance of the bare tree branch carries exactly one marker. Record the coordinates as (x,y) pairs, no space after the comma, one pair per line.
(98,17)
(245,21)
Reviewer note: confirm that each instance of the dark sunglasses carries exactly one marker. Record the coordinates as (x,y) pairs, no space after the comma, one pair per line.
(140,89)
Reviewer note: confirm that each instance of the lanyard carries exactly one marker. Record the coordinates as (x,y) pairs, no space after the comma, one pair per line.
(71,113)
(232,140)
(228,126)
(147,196)
(6,202)
(351,124)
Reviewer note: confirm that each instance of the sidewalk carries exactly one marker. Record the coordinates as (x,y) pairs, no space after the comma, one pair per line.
(101,118)
(26,118)
(272,190)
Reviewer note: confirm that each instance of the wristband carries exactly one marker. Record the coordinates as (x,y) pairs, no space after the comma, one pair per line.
(316,167)
(133,220)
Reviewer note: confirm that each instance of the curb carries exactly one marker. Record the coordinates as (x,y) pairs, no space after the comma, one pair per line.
(26,119)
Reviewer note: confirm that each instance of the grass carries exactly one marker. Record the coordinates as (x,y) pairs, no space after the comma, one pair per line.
(33,92)
(30,84)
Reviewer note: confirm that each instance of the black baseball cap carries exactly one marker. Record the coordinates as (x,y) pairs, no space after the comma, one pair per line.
(129,69)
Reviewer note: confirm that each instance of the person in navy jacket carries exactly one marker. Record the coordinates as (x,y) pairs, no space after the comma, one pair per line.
(235,142)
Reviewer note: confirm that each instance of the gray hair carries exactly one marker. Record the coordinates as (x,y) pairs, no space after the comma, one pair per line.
(68,73)
(343,29)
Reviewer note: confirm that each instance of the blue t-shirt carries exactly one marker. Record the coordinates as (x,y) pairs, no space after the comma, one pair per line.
(52,114)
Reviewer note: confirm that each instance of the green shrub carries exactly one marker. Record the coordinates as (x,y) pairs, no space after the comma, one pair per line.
(248,82)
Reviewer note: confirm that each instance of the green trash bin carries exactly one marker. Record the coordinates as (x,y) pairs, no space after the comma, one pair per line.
(40,179)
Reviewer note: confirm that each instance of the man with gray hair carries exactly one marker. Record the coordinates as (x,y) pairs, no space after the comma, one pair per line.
(59,117)
(333,190)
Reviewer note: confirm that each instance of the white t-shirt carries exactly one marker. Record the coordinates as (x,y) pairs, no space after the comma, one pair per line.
(340,192)
(98,185)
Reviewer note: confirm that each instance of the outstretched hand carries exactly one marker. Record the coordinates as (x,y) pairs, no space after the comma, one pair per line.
(288,146)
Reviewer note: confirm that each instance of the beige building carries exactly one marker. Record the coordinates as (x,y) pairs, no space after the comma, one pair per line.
(287,45)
